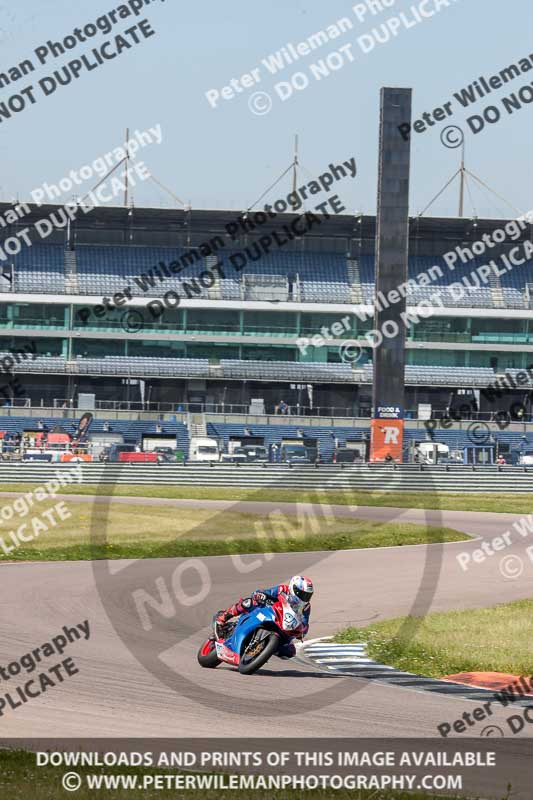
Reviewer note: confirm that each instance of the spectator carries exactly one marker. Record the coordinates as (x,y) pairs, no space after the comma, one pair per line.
(388,458)
(500,460)
(283,408)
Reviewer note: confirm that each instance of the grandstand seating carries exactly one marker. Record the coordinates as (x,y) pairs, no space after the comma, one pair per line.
(102,269)
(209,350)
(439,376)
(513,298)
(513,283)
(286,370)
(191,368)
(309,265)
(40,268)
(132,430)
(321,276)
(230,289)
(327,437)
(306,371)
(317,291)
(143,365)
(274,434)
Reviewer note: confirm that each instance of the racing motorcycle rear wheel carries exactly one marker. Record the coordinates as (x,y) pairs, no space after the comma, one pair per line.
(261,646)
(207,655)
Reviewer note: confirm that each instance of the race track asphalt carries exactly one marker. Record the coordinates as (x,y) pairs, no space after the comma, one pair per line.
(115,695)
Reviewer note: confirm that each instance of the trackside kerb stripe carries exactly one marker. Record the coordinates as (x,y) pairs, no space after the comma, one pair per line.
(352,660)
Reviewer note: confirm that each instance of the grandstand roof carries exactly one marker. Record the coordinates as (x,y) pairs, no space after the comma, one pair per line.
(214,221)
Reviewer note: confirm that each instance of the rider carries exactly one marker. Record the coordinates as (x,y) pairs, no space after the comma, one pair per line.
(299,587)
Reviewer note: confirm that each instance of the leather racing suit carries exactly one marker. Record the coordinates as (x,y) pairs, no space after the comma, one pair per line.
(258,599)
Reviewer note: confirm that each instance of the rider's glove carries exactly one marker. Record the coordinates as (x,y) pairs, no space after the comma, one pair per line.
(259,598)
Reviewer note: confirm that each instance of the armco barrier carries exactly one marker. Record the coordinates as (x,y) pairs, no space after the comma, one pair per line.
(356,477)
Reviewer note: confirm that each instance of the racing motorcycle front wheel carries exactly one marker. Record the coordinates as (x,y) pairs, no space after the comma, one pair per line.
(207,655)
(258,650)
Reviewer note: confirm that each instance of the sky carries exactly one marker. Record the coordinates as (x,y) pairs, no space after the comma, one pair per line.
(226,157)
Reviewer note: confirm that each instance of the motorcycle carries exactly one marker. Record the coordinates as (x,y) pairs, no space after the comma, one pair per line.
(249,640)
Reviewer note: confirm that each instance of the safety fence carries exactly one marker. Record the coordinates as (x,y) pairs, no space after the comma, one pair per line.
(370,477)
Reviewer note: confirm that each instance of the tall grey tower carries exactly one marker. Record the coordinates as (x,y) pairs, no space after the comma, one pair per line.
(392,241)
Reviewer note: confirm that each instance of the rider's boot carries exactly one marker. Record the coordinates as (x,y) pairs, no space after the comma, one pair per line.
(223,617)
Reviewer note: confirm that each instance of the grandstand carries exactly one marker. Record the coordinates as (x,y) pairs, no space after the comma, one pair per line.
(238,337)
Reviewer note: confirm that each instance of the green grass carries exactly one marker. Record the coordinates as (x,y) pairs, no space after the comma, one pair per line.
(21,779)
(511,503)
(140,531)
(494,639)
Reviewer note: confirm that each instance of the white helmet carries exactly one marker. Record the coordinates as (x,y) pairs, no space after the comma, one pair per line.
(301,587)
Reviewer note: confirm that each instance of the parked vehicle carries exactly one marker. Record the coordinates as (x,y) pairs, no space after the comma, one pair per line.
(432,453)
(256,452)
(116,450)
(526,457)
(139,458)
(101,442)
(237,456)
(202,448)
(165,454)
(347,455)
(295,454)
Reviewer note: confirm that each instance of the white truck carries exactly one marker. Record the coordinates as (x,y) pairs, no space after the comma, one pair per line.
(203,448)
(432,452)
